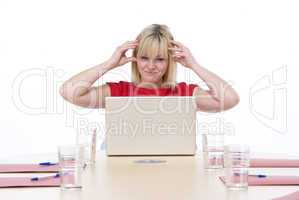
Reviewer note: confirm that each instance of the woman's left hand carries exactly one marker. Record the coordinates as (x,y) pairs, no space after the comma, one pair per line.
(182,55)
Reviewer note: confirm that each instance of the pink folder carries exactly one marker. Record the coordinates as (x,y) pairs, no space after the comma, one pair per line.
(26,182)
(292,196)
(270,180)
(10,168)
(260,162)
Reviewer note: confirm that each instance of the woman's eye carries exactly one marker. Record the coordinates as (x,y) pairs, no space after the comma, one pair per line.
(160,59)
(143,57)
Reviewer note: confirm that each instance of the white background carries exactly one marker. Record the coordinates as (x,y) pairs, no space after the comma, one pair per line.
(253,45)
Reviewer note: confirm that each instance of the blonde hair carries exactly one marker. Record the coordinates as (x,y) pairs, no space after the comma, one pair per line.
(155,40)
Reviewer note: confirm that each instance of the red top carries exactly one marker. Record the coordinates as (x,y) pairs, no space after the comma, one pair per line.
(124,88)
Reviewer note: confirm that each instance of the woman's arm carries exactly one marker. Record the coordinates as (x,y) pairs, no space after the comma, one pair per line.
(78,89)
(220,96)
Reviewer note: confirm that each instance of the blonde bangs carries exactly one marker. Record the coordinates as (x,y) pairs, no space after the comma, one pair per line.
(153,47)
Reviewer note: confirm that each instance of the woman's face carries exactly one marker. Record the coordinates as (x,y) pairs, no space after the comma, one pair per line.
(152,69)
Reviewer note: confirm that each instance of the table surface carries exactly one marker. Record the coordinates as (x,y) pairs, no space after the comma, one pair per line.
(180,177)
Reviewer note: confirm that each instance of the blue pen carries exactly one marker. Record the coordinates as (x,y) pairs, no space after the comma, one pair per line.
(45,177)
(254,175)
(259,175)
(47,163)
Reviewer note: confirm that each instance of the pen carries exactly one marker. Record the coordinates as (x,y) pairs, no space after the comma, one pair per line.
(253,175)
(146,161)
(103,145)
(45,177)
(93,145)
(47,163)
(258,175)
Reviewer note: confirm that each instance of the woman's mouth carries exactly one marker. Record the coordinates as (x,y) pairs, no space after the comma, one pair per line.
(150,72)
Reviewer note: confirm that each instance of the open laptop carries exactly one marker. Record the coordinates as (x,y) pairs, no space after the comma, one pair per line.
(150,125)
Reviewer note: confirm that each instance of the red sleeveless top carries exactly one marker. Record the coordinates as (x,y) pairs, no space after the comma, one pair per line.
(124,88)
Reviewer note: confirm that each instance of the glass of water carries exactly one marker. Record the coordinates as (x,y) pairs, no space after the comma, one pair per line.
(88,140)
(236,164)
(71,163)
(213,145)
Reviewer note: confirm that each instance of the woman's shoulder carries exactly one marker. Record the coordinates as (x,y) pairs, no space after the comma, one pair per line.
(184,84)
(186,89)
(127,83)
(120,88)
(120,83)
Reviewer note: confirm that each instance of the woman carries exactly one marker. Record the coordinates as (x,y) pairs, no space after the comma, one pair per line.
(155,54)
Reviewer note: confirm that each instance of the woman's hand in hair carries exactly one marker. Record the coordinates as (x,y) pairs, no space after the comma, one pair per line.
(182,55)
(119,57)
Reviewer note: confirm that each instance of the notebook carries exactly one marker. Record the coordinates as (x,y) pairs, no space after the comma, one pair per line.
(10,168)
(270,180)
(292,196)
(260,162)
(27,182)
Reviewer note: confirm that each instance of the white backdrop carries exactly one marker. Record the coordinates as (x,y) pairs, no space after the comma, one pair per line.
(253,45)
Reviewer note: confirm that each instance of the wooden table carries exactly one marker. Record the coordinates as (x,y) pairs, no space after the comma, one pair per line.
(179,178)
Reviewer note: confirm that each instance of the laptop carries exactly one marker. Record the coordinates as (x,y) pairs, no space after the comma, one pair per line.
(150,125)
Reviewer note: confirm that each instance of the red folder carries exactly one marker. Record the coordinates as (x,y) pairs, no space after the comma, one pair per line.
(270,180)
(292,196)
(260,162)
(27,182)
(10,168)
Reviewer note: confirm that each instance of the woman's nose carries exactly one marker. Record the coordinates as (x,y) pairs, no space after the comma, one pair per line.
(151,64)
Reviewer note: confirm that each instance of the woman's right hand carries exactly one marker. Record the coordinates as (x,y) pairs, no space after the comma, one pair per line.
(119,57)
